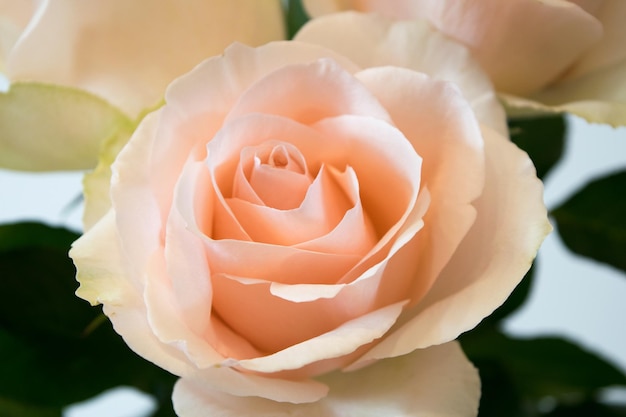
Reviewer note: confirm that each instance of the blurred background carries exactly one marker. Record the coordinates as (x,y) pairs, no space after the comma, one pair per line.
(571,296)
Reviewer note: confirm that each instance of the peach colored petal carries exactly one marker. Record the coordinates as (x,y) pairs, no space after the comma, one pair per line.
(438,381)
(322,210)
(104,278)
(274,174)
(127,52)
(443,130)
(410,44)
(329,90)
(336,343)
(511,223)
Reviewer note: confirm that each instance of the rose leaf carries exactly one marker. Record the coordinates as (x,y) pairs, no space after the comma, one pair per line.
(542,137)
(592,223)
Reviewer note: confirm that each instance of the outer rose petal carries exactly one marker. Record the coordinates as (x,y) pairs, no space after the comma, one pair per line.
(414,385)
(519,58)
(128,51)
(511,224)
(414,45)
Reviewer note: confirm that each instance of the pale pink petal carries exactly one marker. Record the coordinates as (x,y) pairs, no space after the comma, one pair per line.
(129,51)
(489,263)
(329,89)
(411,44)
(438,381)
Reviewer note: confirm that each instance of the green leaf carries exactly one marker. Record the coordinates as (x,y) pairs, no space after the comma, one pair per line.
(592,222)
(296,17)
(49,127)
(543,366)
(9,408)
(55,349)
(588,409)
(542,137)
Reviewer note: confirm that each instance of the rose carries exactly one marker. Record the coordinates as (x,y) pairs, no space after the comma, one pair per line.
(565,55)
(123,52)
(292,211)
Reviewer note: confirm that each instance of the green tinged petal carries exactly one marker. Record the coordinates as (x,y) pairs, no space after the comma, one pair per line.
(48,127)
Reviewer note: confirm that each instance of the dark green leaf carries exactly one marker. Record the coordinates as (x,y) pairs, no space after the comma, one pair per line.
(10,408)
(296,17)
(588,409)
(37,283)
(542,138)
(55,349)
(592,222)
(544,366)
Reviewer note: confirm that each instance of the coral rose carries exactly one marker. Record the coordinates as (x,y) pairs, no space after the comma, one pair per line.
(564,55)
(123,52)
(292,212)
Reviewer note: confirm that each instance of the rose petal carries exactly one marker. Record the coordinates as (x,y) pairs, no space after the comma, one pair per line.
(341,341)
(13,20)
(442,128)
(438,381)
(127,52)
(231,383)
(410,44)
(102,271)
(610,50)
(520,59)
(599,97)
(511,223)
(329,89)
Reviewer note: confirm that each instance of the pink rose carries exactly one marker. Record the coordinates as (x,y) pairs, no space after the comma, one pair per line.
(292,212)
(565,54)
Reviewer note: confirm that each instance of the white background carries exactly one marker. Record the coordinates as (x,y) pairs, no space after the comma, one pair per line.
(572,297)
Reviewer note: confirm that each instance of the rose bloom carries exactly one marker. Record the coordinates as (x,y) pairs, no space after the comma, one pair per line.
(124,52)
(304,230)
(563,55)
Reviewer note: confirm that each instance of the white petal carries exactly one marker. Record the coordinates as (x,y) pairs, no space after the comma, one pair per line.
(434,382)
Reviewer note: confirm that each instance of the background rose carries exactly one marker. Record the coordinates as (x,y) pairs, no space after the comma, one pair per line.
(413,223)
(122,52)
(560,55)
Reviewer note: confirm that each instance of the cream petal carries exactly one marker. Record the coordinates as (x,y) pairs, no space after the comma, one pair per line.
(103,276)
(127,52)
(45,127)
(138,215)
(610,50)
(599,97)
(510,226)
(410,44)
(189,391)
(438,381)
